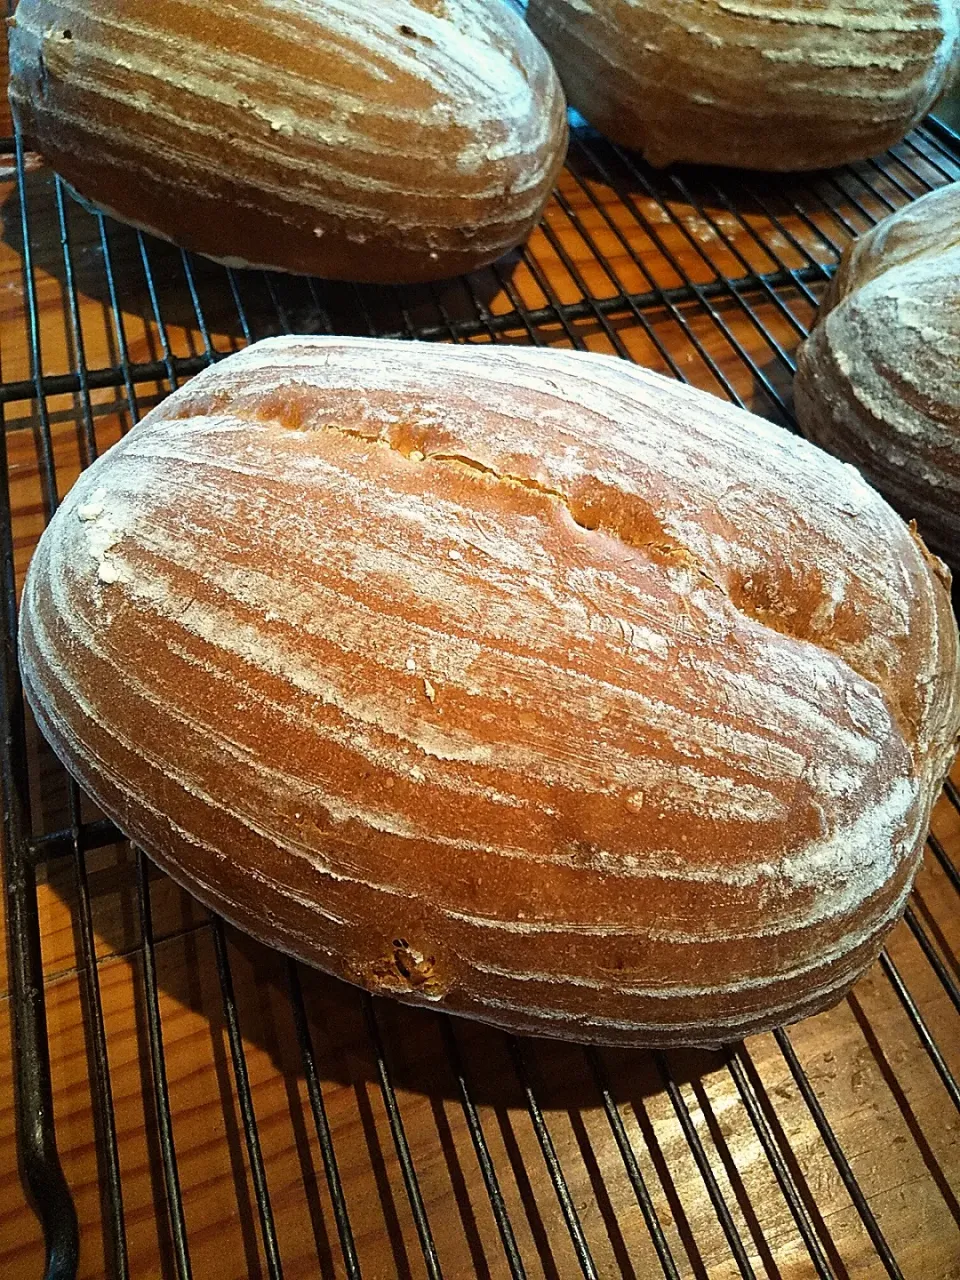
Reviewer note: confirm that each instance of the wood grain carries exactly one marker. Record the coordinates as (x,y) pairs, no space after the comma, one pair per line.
(877,1086)
(6,124)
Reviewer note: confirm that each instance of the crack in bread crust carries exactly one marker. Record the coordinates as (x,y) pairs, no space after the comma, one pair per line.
(624,517)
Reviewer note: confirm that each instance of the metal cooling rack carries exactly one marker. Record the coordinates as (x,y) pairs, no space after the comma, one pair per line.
(713,277)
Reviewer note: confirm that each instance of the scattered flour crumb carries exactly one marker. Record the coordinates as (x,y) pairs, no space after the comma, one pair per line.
(93,509)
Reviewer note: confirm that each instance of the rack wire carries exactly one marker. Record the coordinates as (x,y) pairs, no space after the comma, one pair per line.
(482,1153)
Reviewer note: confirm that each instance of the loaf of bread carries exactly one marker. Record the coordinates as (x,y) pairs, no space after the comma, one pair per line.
(878,380)
(389,140)
(797,84)
(523,682)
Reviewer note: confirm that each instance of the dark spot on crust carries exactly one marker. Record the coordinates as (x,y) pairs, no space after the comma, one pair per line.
(409,32)
(405,969)
(412,965)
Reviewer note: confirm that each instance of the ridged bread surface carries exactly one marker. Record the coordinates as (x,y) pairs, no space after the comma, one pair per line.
(525,682)
(878,380)
(390,140)
(794,84)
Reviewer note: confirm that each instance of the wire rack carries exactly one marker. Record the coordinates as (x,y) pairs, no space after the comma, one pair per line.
(201,1106)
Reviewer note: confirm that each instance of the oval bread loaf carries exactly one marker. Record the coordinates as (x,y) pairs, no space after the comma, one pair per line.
(526,682)
(389,140)
(795,84)
(878,380)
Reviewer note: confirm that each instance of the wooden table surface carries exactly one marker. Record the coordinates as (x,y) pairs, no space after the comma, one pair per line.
(878,1087)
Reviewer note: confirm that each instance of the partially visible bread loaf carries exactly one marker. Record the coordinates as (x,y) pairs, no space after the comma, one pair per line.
(525,682)
(796,84)
(878,380)
(382,140)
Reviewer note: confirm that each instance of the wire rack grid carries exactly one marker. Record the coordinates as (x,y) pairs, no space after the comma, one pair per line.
(191,1104)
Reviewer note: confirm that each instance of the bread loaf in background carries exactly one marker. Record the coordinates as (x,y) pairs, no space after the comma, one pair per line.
(389,140)
(878,380)
(527,683)
(797,84)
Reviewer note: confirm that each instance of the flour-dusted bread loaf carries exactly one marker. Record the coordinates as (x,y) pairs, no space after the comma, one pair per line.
(382,140)
(528,683)
(878,380)
(787,84)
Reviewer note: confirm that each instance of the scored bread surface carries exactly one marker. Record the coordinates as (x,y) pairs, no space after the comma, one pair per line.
(877,380)
(527,682)
(795,84)
(391,140)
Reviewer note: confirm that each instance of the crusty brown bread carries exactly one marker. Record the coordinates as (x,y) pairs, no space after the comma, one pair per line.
(528,683)
(878,380)
(389,140)
(781,84)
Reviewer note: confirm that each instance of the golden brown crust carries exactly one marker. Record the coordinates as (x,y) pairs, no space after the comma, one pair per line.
(797,84)
(389,142)
(877,380)
(530,683)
